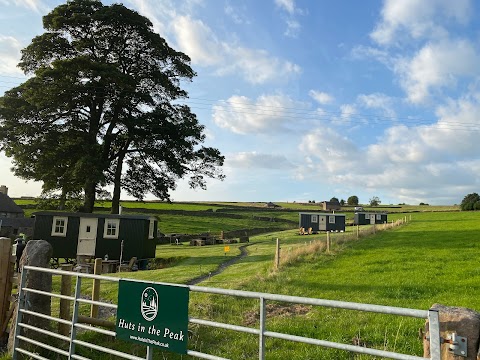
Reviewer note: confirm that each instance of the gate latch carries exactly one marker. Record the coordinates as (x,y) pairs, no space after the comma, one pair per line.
(457,344)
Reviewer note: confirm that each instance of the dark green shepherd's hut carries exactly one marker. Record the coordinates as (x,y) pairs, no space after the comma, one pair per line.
(367,218)
(97,235)
(322,222)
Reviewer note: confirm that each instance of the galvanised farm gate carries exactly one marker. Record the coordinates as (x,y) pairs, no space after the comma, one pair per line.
(151,304)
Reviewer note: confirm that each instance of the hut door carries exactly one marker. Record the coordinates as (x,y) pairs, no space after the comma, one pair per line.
(372,219)
(87,236)
(322,223)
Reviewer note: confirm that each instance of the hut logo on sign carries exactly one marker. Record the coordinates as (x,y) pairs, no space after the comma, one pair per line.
(149,301)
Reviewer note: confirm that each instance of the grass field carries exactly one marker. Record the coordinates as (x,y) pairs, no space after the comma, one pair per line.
(432,259)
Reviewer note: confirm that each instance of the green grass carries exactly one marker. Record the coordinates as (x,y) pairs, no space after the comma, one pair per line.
(432,259)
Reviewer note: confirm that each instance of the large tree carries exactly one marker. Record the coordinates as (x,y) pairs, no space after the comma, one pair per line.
(104,90)
(352,200)
(470,202)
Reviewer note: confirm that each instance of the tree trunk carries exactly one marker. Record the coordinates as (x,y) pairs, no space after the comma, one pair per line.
(89,201)
(63,199)
(116,182)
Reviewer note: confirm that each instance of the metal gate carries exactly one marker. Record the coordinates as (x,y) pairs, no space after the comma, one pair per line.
(261,332)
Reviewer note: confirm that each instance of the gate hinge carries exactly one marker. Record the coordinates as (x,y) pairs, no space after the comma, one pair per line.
(457,344)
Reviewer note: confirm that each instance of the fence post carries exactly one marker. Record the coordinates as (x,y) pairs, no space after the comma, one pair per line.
(7,262)
(261,346)
(277,255)
(97,270)
(328,242)
(358,232)
(65,289)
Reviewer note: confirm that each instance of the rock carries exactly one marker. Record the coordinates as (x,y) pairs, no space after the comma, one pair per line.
(37,253)
(465,322)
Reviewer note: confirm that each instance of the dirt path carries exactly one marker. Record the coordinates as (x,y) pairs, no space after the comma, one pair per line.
(222,266)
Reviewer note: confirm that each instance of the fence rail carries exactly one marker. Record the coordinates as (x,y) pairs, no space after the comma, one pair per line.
(261,331)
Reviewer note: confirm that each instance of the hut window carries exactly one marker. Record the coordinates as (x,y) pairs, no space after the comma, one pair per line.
(379,217)
(331,219)
(151,227)
(59,226)
(314,218)
(110,230)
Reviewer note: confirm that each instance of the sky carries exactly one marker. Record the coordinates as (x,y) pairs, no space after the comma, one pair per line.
(309,100)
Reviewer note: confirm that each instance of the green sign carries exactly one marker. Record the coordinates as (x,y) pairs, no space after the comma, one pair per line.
(154,315)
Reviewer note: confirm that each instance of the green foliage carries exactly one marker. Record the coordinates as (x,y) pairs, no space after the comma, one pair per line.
(352,200)
(470,202)
(334,199)
(375,201)
(93,104)
(53,201)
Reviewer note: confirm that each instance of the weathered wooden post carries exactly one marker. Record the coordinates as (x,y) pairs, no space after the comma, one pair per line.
(328,242)
(65,289)
(358,232)
(277,254)
(97,270)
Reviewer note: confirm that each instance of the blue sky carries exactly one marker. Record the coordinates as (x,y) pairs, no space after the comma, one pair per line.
(313,99)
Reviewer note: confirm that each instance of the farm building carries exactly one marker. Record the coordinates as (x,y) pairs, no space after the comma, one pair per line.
(366,218)
(331,205)
(12,219)
(97,235)
(322,222)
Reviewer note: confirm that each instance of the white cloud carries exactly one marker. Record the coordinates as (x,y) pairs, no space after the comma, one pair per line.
(243,115)
(254,160)
(10,54)
(418,19)
(435,66)
(257,66)
(293,28)
(198,41)
(406,161)
(35,5)
(347,111)
(287,5)
(321,97)
(377,101)
(236,14)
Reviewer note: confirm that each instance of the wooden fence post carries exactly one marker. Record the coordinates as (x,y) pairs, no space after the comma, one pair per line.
(277,255)
(7,264)
(97,270)
(65,289)
(358,232)
(328,242)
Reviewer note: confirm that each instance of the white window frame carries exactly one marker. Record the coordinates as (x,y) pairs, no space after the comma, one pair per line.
(151,228)
(106,228)
(56,226)
(331,219)
(379,216)
(314,219)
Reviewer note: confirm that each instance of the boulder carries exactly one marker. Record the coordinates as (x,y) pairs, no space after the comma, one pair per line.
(37,253)
(462,321)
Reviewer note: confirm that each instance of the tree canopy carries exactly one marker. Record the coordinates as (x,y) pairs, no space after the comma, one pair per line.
(470,202)
(352,200)
(375,201)
(102,106)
